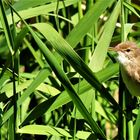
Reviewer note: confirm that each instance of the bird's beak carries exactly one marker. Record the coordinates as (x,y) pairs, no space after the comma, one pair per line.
(112,49)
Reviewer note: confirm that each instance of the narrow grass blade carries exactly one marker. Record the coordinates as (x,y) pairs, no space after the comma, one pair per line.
(85,24)
(137,127)
(66,83)
(66,51)
(38,10)
(131,8)
(37,81)
(6,28)
(63,98)
(99,56)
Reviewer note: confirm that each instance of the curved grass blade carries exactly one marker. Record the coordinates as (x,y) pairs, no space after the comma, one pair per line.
(66,51)
(98,58)
(66,83)
(63,98)
(6,28)
(37,81)
(87,21)
(39,10)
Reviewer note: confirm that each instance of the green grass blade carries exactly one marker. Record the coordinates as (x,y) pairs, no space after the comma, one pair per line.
(66,51)
(131,8)
(63,98)
(43,130)
(34,53)
(39,10)
(136,129)
(66,83)
(98,58)
(37,81)
(6,28)
(82,28)
(18,41)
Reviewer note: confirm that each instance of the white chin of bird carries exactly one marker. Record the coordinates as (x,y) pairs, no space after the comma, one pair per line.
(122,58)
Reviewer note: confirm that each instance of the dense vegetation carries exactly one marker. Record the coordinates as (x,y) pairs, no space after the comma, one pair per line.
(58,80)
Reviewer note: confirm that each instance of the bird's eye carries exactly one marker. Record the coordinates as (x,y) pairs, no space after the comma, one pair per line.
(128,50)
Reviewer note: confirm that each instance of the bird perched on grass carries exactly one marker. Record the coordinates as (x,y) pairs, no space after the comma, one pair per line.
(129,59)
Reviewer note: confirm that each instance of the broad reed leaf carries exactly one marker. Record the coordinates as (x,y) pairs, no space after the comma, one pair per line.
(43,130)
(38,10)
(66,51)
(52,61)
(50,130)
(63,98)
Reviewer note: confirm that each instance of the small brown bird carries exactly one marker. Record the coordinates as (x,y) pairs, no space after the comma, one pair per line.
(129,58)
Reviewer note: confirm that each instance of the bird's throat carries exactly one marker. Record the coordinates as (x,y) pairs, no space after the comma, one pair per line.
(123,59)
